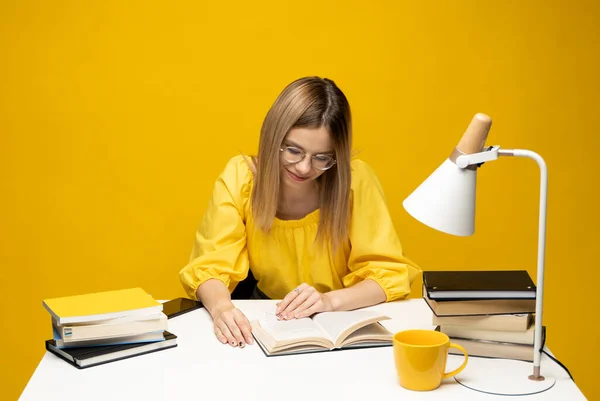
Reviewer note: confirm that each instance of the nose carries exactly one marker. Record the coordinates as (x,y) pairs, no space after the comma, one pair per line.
(304,166)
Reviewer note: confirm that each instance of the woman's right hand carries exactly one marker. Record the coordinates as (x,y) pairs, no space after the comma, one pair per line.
(231,326)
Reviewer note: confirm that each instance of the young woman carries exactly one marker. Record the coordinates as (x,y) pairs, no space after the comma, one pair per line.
(311,224)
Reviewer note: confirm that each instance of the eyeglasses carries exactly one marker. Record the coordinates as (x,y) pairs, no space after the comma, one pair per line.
(294,155)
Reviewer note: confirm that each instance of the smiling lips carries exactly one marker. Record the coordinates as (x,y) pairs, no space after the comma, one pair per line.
(295,177)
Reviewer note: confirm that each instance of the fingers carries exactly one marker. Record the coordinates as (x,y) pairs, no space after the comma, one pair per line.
(220,335)
(222,326)
(312,305)
(300,299)
(310,311)
(233,327)
(290,297)
(245,328)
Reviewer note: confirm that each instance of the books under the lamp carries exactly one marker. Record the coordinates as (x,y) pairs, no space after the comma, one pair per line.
(480,284)
(109,330)
(470,307)
(469,333)
(99,306)
(495,349)
(321,332)
(513,322)
(85,357)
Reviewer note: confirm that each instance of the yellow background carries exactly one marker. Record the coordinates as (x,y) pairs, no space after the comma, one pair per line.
(116,117)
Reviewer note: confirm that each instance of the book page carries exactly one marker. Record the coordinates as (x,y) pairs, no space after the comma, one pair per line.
(283,330)
(373,333)
(338,324)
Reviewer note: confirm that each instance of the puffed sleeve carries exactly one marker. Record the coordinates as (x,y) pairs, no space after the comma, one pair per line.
(376,252)
(219,249)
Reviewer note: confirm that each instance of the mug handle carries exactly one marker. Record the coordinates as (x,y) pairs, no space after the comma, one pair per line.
(461,367)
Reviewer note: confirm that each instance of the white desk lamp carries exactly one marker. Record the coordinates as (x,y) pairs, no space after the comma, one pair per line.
(446,201)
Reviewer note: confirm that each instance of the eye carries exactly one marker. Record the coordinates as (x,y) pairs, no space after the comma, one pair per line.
(294,151)
(322,158)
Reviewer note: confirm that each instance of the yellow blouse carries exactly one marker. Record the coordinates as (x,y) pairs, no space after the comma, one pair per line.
(227,244)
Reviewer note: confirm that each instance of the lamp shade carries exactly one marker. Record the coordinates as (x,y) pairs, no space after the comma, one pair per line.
(445,201)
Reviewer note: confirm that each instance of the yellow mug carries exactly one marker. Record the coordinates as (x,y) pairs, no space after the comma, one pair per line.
(420,357)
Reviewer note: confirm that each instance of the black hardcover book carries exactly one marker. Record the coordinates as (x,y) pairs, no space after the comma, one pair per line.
(481,284)
(85,357)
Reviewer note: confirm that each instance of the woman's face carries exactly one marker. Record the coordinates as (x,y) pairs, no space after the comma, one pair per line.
(310,142)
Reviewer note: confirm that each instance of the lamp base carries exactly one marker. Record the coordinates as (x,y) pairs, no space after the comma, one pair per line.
(482,376)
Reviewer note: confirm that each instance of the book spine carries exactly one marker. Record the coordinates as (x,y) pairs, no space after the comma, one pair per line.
(80,333)
(493,322)
(514,337)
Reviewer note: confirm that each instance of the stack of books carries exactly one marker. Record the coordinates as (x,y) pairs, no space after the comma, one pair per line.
(96,328)
(489,313)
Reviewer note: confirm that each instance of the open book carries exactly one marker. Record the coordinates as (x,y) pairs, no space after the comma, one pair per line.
(321,332)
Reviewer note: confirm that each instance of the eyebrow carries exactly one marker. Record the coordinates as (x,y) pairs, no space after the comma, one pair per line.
(329,152)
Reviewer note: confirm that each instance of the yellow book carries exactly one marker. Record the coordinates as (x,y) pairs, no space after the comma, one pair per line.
(101,306)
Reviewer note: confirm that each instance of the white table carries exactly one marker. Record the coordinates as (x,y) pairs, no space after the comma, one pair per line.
(202,368)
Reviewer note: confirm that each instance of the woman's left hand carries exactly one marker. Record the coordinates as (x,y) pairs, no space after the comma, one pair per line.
(302,301)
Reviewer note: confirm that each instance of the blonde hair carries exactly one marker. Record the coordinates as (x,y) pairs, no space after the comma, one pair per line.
(309,102)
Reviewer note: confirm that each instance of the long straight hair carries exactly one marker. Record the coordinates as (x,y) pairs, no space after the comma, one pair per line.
(309,102)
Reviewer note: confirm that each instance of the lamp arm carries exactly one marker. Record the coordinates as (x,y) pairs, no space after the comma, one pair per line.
(539,298)
(489,154)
